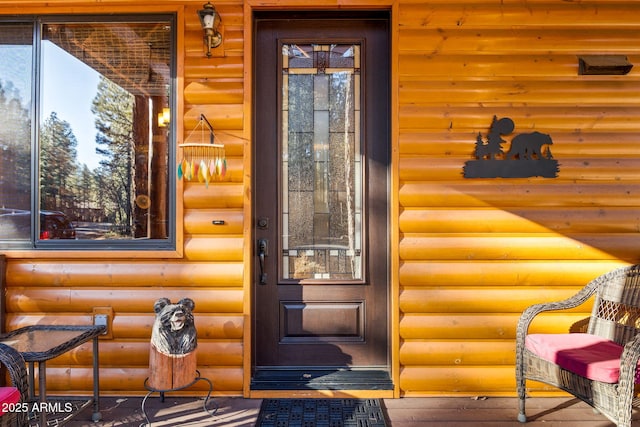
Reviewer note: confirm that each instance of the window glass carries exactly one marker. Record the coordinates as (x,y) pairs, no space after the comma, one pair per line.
(103,156)
(97,139)
(16,51)
(321,162)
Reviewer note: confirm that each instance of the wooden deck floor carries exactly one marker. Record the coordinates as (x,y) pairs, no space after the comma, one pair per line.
(407,412)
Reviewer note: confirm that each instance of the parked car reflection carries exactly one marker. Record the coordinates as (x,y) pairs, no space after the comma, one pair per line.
(15,224)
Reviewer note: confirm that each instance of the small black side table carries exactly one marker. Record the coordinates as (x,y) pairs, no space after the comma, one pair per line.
(40,343)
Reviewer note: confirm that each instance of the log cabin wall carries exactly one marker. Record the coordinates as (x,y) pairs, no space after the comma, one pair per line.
(470,253)
(475,252)
(208,267)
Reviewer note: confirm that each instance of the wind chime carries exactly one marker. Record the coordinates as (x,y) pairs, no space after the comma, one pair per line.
(202,162)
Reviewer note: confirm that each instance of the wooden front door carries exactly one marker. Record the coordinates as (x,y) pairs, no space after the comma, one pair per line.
(321,165)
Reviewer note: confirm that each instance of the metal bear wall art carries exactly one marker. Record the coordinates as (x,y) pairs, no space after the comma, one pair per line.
(529,154)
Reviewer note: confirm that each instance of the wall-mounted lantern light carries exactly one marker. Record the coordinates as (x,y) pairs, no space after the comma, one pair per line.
(210,20)
(603,65)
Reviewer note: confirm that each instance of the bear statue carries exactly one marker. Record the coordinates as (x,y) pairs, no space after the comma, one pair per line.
(174,331)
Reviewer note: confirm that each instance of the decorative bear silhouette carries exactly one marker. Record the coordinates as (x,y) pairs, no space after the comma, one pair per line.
(529,146)
(529,154)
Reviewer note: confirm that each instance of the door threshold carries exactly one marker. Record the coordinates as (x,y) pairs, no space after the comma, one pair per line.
(321,394)
(321,379)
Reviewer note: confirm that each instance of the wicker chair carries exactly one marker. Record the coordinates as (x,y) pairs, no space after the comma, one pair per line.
(616,317)
(14,363)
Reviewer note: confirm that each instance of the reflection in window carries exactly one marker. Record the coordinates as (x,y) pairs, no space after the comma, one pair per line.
(103,159)
(16,51)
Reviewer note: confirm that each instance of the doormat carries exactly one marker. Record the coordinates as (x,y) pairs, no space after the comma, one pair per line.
(321,413)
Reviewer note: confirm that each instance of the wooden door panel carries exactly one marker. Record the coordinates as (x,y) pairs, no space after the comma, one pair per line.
(307,322)
(320,293)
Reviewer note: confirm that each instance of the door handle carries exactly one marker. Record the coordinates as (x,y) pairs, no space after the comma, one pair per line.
(263,251)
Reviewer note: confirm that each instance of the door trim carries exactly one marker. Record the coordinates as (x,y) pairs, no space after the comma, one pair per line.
(250,7)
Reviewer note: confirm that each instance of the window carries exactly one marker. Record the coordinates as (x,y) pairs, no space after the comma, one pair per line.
(82,142)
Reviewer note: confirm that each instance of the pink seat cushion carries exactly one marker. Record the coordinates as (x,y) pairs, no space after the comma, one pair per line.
(587,355)
(8,395)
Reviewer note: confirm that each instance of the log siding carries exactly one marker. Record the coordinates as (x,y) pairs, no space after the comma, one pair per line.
(475,252)
(469,254)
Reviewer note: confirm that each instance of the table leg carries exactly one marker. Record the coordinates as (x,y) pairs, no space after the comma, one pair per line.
(97,416)
(32,380)
(42,374)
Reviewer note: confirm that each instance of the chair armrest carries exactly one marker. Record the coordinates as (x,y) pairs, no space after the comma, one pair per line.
(15,365)
(532,311)
(628,365)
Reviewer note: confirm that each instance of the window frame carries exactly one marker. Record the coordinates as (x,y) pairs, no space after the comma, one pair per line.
(171,246)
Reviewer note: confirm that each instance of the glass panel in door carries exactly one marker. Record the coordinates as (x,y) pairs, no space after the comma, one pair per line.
(321,203)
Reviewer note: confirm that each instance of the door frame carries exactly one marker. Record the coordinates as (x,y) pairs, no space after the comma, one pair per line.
(250,7)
